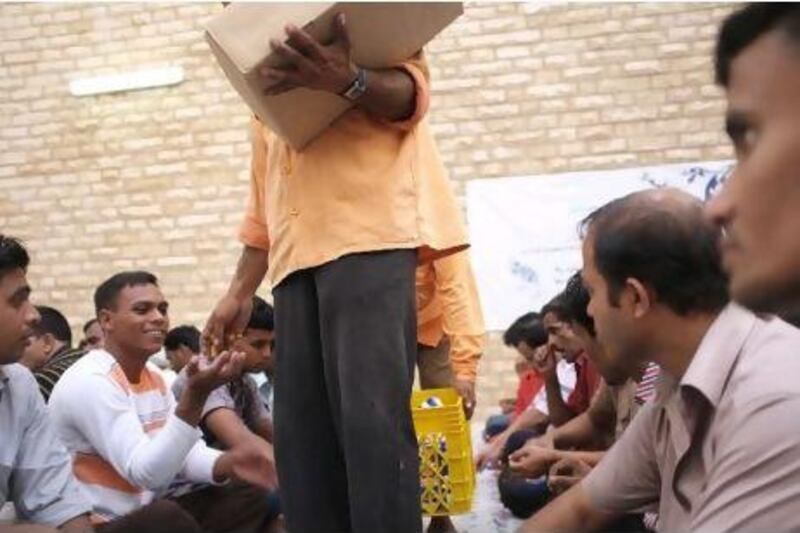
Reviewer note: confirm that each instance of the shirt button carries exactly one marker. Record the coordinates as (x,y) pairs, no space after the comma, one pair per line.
(294,212)
(286,169)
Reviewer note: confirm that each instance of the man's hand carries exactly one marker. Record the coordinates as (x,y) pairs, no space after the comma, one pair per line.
(204,375)
(507,405)
(532,460)
(565,473)
(545,361)
(248,462)
(311,64)
(227,321)
(545,441)
(466,389)
(489,457)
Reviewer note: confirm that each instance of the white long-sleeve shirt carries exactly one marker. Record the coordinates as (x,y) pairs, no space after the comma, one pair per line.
(125,439)
(566,379)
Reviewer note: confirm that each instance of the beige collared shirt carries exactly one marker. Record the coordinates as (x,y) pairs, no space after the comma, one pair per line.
(719,450)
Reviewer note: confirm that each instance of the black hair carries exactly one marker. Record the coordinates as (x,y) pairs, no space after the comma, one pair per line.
(746,25)
(13,255)
(556,306)
(105,297)
(88,324)
(54,323)
(188,336)
(669,246)
(576,300)
(262,316)
(527,328)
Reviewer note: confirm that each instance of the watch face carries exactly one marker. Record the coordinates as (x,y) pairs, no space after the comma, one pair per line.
(358,86)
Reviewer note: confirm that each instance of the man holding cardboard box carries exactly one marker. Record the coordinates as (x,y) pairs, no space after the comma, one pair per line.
(338,228)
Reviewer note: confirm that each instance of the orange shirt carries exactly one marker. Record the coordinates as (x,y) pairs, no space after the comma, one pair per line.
(363,185)
(448,303)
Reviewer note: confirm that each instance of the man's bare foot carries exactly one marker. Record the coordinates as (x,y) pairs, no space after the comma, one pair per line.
(441,524)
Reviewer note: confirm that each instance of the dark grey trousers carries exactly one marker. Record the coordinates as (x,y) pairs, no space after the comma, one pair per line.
(345,446)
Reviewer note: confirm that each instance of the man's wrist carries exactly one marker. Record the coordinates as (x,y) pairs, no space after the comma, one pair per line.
(554,456)
(239,292)
(357,85)
(190,406)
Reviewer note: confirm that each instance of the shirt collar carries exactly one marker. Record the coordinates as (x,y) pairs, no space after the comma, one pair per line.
(715,357)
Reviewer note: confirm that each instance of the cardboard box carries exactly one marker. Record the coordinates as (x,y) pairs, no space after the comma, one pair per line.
(381,35)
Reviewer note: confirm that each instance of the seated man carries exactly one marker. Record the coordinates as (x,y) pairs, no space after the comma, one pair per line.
(51,336)
(616,402)
(567,373)
(93,337)
(128,437)
(35,468)
(180,345)
(235,413)
(525,335)
(50,352)
(35,473)
(718,449)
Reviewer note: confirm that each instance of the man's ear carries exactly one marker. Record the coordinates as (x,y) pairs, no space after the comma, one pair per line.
(639,298)
(49,343)
(104,318)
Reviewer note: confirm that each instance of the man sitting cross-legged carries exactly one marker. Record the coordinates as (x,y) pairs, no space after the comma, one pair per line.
(128,437)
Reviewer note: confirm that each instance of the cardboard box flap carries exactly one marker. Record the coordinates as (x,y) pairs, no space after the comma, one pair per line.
(381,35)
(244,29)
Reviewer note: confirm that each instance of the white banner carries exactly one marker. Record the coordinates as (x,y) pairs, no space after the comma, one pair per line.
(524,230)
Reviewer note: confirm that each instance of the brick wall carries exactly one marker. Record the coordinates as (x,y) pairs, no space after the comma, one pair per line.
(156,179)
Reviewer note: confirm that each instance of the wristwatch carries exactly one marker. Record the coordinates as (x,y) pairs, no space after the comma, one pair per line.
(358,87)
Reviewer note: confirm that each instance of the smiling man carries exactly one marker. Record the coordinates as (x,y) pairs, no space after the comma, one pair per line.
(128,437)
(758,65)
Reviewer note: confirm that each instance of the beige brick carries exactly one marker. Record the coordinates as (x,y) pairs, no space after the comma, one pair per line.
(157,179)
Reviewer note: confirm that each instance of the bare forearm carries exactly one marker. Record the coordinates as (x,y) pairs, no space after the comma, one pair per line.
(190,406)
(570,512)
(528,419)
(578,432)
(250,272)
(390,94)
(559,412)
(263,429)
(590,458)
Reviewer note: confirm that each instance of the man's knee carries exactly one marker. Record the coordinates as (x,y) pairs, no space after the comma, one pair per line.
(520,495)
(169,513)
(517,440)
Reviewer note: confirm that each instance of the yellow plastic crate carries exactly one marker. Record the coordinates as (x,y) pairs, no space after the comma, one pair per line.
(447,471)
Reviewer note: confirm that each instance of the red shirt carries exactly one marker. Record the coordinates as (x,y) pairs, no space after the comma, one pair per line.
(529,384)
(586,382)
